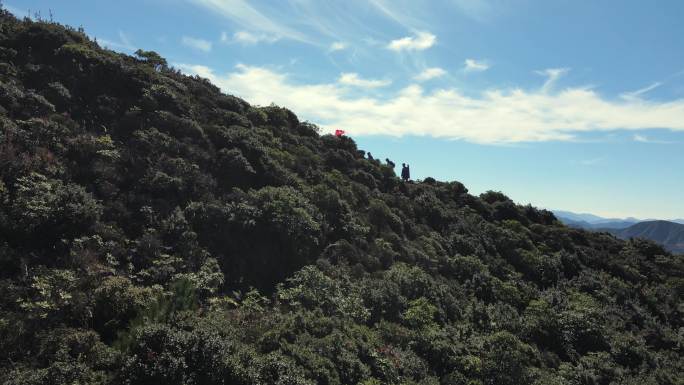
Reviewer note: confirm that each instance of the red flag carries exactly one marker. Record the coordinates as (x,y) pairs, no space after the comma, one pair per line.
(339,132)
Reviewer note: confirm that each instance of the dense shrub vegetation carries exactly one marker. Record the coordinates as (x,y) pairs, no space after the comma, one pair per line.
(156,231)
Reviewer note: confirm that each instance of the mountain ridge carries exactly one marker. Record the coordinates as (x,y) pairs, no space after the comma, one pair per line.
(663,232)
(593,219)
(667,233)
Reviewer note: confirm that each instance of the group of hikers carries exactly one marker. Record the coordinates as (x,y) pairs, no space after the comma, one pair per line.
(405,170)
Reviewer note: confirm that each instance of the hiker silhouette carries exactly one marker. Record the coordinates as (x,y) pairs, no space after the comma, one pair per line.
(370,157)
(389,162)
(404,172)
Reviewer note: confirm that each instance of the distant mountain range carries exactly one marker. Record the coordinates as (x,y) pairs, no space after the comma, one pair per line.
(670,234)
(591,218)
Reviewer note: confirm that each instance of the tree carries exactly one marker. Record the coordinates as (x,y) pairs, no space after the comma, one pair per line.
(507,360)
(152,58)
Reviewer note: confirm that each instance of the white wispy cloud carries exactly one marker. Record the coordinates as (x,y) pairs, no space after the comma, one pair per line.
(552,75)
(636,94)
(337,46)
(644,139)
(495,116)
(430,73)
(195,43)
(371,41)
(250,38)
(123,43)
(353,79)
(401,12)
(591,162)
(480,10)
(472,65)
(247,16)
(420,41)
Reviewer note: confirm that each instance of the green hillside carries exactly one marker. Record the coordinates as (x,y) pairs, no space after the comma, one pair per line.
(156,231)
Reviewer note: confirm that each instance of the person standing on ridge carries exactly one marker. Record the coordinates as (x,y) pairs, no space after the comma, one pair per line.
(408,172)
(403,172)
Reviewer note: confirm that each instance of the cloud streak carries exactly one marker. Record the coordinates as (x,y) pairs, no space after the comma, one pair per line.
(644,139)
(195,43)
(493,117)
(591,162)
(353,79)
(637,94)
(250,38)
(337,46)
(124,43)
(472,65)
(420,41)
(248,17)
(552,75)
(396,11)
(480,10)
(430,73)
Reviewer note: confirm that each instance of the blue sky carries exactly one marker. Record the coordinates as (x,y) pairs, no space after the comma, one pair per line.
(565,104)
